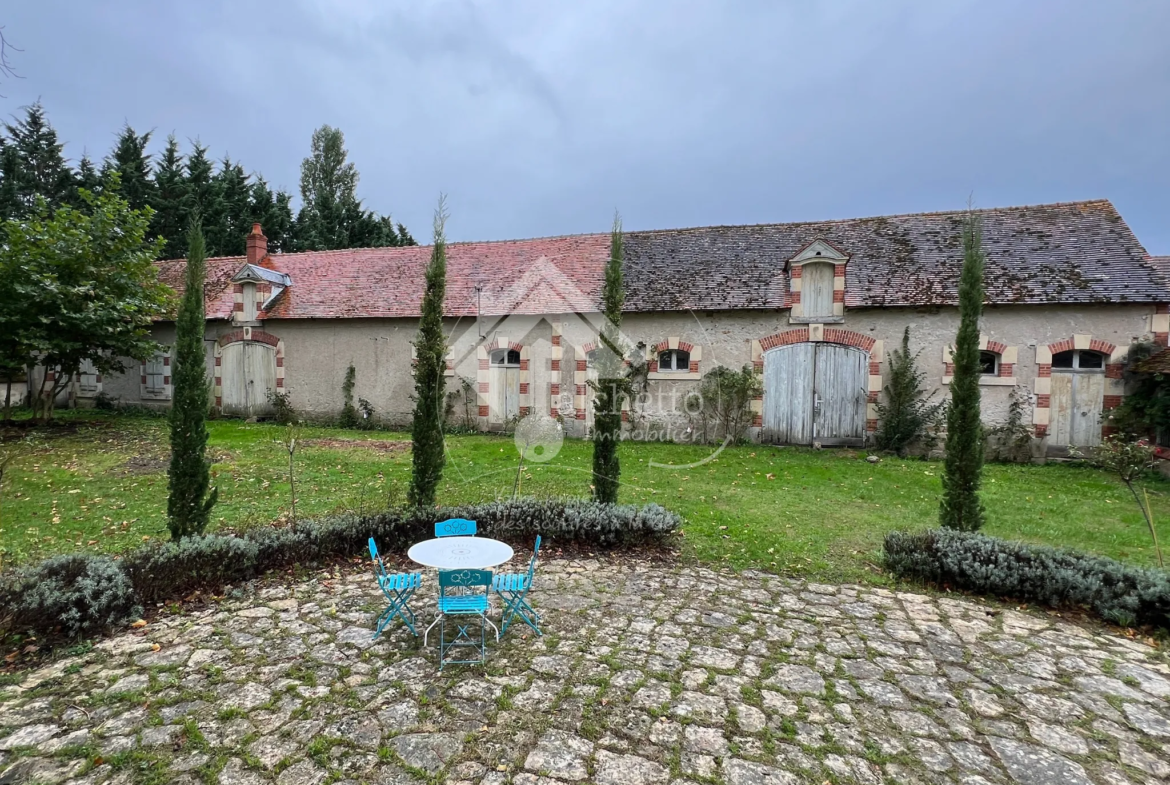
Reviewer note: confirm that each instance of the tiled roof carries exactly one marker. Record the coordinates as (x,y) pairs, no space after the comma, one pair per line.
(1156,363)
(1080,252)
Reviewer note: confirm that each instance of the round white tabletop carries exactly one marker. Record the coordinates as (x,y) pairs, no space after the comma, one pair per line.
(460,553)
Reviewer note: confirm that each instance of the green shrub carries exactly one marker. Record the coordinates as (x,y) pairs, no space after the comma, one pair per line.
(1032,573)
(78,594)
(83,594)
(174,570)
(349,415)
(282,409)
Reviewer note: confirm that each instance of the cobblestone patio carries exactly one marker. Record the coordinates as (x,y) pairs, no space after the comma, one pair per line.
(645,677)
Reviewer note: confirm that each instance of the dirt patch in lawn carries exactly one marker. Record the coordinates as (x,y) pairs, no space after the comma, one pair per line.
(378,445)
(144,464)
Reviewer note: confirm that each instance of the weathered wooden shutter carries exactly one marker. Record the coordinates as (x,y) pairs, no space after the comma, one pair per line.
(816,289)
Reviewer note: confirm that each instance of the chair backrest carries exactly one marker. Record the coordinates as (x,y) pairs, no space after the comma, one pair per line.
(535,553)
(455,527)
(464,581)
(379,567)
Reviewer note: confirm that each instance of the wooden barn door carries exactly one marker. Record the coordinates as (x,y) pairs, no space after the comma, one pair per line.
(788,394)
(839,390)
(1076,409)
(248,375)
(815,392)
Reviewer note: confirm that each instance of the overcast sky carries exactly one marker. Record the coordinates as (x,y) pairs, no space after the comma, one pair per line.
(540,118)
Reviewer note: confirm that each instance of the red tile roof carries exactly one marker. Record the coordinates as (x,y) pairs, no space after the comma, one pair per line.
(529,277)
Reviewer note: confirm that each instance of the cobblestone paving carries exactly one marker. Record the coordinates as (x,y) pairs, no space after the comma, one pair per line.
(647,676)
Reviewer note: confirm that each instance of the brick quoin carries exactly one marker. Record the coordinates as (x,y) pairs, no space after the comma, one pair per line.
(484,364)
(1162,339)
(581,365)
(484,387)
(1006,370)
(838,295)
(1113,370)
(556,365)
(556,340)
(483,411)
(1043,369)
(1041,431)
(554,388)
(1043,401)
(1110,402)
(1163,308)
(795,271)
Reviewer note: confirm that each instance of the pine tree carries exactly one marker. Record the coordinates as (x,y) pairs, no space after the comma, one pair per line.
(189,504)
(171,203)
(611,386)
(961,508)
(41,169)
(87,178)
(10,204)
(273,211)
(229,224)
(906,414)
(428,455)
(130,159)
(201,192)
(404,237)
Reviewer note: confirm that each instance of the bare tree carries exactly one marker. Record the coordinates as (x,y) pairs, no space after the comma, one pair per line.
(7,69)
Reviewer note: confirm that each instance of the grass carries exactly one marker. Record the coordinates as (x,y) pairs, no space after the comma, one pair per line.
(100,484)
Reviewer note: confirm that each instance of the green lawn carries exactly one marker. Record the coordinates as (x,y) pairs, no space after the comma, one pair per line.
(820,513)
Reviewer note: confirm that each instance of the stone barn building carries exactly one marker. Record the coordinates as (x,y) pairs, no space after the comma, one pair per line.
(814,307)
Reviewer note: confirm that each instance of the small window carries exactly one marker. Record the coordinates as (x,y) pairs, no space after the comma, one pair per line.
(1079,360)
(505,357)
(989,363)
(155,371)
(674,360)
(816,289)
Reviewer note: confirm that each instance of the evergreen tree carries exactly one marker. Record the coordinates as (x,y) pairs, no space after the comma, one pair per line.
(404,237)
(961,508)
(273,211)
(228,225)
(428,455)
(201,192)
(131,161)
(190,502)
(87,178)
(41,169)
(906,414)
(10,204)
(611,386)
(172,217)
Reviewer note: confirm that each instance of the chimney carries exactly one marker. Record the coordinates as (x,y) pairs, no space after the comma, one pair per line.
(257,245)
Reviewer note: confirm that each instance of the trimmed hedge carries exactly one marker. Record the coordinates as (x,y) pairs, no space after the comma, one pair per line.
(1125,595)
(81,594)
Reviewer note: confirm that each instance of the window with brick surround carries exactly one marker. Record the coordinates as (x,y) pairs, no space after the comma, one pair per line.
(505,357)
(817,289)
(674,361)
(1079,360)
(87,380)
(989,363)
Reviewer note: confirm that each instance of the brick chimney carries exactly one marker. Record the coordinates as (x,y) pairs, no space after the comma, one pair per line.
(257,245)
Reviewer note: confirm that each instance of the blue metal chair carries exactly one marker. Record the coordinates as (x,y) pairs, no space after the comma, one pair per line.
(513,590)
(398,588)
(463,594)
(455,527)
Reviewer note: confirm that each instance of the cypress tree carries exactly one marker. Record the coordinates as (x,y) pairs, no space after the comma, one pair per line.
(171,204)
(906,413)
(130,159)
(189,504)
(426,432)
(610,388)
(961,508)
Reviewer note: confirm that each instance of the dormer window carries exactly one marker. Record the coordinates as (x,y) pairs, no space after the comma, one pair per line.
(816,277)
(816,290)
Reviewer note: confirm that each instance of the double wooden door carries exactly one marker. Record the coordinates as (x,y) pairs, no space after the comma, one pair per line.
(815,392)
(248,376)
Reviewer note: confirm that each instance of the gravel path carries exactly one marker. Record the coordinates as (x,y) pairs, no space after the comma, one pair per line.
(645,677)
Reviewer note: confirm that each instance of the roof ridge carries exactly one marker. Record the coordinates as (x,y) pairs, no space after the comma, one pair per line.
(875,217)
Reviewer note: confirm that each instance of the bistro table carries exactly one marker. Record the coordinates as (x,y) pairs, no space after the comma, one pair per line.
(460,553)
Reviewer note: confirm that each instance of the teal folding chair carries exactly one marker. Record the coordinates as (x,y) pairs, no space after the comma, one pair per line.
(513,589)
(455,527)
(463,596)
(398,588)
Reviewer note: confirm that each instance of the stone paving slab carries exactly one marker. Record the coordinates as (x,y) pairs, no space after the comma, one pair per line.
(648,675)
